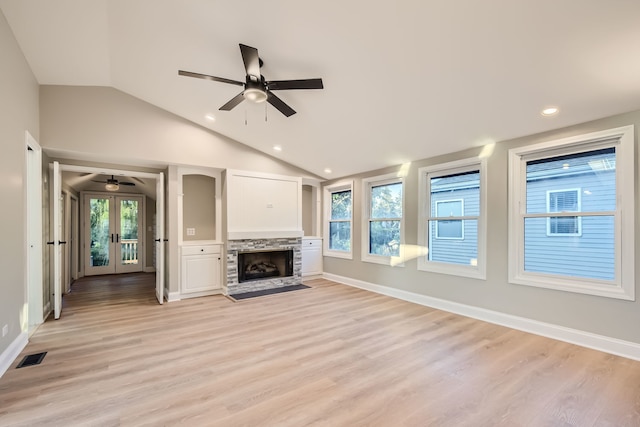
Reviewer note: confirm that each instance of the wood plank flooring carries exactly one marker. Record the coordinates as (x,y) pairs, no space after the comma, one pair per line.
(331,355)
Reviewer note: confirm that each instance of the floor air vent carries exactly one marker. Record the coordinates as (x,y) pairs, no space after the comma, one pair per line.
(31,359)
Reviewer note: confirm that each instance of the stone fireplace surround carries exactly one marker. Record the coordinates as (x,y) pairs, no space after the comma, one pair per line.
(248,245)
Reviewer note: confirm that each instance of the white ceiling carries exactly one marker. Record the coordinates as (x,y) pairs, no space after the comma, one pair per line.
(404,80)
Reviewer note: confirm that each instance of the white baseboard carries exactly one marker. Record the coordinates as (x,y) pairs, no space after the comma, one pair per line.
(149,270)
(46,311)
(171,296)
(9,355)
(603,343)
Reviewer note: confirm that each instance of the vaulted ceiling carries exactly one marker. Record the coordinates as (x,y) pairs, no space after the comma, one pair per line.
(404,80)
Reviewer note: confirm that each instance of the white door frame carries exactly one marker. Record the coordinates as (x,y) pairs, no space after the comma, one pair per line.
(56,241)
(33,232)
(73,235)
(159,238)
(159,177)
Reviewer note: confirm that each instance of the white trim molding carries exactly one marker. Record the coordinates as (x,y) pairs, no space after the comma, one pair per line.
(618,347)
(171,296)
(13,351)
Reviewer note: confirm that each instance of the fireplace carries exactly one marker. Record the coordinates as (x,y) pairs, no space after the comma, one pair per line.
(289,268)
(258,265)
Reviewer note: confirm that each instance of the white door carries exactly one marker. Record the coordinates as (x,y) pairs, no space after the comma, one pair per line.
(56,242)
(33,198)
(113,230)
(159,239)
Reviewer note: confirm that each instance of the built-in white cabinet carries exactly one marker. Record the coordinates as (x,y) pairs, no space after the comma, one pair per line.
(311,256)
(200,265)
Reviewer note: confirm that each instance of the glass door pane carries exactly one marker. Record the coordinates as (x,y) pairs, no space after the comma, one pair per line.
(100,232)
(128,236)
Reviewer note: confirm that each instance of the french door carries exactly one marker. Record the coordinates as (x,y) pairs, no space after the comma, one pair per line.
(113,234)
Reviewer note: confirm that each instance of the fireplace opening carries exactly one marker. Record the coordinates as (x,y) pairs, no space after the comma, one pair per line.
(258,265)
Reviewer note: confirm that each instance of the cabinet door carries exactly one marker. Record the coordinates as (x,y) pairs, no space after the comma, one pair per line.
(311,257)
(200,273)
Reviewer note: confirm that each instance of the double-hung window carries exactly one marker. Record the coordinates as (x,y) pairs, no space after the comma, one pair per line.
(451,230)
(382,210)
(338,209)
(571,213)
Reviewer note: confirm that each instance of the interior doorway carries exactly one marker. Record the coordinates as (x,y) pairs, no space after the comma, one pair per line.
(121,228)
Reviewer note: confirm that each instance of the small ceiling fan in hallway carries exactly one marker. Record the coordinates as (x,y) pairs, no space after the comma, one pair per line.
(112,184)
(256,88)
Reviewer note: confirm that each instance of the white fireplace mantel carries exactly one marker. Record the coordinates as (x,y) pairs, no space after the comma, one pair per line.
(266,234)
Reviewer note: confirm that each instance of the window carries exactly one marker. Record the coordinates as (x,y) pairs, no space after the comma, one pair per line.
(566,219)
(563,201)
(382,229)
(451,231)
(449,228)
(338,201)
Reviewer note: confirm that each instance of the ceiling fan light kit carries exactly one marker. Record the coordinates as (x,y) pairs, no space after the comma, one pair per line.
(255,95)
(111,186)
(256,88)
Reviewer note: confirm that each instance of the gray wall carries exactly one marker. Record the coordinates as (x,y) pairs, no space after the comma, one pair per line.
(307,206)
(605,316)
(18,112)
(106,125)
(199,207)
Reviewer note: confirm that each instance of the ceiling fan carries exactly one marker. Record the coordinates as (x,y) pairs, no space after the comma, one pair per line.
(113,184)
(256,88)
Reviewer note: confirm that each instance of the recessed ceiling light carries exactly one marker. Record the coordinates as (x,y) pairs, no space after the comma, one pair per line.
(327,170)
(550,111)
(210,117)
(277,148)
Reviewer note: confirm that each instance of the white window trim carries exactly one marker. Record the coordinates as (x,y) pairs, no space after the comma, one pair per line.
(477,271)
(579,218)
(367,185)
(337,187)
(623,287)
(437,236)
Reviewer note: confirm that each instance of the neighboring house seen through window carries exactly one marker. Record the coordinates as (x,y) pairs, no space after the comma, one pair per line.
(449,228)
(452,225)
(566,219)
(563,201)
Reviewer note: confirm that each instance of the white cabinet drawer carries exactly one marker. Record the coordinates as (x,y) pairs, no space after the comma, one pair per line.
(200,249)
(311,243)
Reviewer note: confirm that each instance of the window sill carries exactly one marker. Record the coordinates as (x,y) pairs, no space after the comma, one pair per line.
(580,286)
(337,254)
(452,269)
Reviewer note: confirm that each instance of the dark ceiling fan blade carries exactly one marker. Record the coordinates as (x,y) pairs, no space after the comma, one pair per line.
(234,101)
(212,78)
(280,105)
(126,183)
(295,84)
(251,60)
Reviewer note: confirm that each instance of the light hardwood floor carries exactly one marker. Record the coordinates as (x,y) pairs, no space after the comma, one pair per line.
(327,356)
